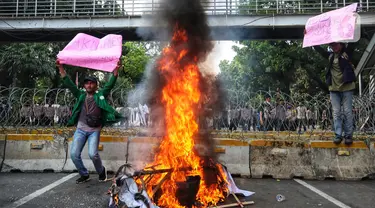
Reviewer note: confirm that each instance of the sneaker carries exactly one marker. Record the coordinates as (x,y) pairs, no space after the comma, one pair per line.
(83,179)
(348,140)
(103,175)
(337,139)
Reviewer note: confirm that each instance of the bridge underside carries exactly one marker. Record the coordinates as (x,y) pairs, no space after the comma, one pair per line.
(223,27)
(131,34)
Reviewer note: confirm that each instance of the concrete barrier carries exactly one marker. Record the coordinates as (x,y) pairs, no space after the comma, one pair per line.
(2,150)
(234,154)
(247,157)
(26,152)
(35,152)
(41,152)
(311,160)
(280,159)
(342,162)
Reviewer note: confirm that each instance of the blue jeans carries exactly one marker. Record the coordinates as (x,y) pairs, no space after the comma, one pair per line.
(342,112)
(79,140)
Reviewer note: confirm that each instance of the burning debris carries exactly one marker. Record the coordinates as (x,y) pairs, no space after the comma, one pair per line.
(181,175)
(129,188)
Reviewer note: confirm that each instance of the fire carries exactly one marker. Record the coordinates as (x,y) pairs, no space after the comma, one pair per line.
(181,98)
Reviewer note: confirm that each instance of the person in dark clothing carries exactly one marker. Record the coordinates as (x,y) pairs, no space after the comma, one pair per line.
(234,119)
(324,120)
(90,113)
(265,114)
(280,116)
(301,118)
(340,78)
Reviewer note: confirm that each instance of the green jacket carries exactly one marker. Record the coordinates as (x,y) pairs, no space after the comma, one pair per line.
(109,114)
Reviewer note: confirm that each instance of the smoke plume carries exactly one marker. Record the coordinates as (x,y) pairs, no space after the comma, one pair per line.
(189,16)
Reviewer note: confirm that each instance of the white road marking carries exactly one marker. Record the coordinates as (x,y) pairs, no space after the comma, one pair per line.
(322,194)
(41,191)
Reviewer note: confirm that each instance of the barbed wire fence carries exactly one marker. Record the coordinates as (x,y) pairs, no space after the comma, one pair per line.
(27,109)
(298,114)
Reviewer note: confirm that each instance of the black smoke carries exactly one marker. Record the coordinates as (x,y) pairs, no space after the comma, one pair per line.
(189,16)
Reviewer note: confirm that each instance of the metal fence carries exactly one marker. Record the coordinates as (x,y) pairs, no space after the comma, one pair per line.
(68,8)
(51,108)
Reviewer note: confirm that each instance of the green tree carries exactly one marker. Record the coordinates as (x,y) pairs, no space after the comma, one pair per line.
(271,65)
(33,64)
(260,65)
(22,64)
(134,61)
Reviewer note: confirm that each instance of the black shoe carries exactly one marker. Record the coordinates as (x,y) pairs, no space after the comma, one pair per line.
(348,140)
(103,175)
(337,139)
(83,179)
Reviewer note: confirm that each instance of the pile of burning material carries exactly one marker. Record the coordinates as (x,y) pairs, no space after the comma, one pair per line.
(129,189)
(125,192)
(181,175)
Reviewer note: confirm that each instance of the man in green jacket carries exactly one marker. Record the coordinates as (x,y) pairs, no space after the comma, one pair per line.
(90,113)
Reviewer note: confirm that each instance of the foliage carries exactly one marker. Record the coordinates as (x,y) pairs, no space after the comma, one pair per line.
(33,64)
(277,65)
(134,61)
(23,64)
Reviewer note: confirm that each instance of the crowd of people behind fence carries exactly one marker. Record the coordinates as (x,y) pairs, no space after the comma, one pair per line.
(267,116)
(271,117)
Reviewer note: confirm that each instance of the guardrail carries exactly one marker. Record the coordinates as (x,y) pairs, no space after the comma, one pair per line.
(51,108)
(68,8)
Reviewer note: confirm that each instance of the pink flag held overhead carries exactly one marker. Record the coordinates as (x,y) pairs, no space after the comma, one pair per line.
(91,52)
(340,25)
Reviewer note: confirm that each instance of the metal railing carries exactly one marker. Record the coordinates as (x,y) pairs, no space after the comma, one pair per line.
(32,109)
(68,8)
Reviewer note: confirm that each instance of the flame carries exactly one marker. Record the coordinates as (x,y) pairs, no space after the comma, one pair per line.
(181,97)
(116,199)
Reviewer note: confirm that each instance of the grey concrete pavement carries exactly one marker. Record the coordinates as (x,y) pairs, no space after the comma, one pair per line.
(14,186)
(356,194)
(267,189)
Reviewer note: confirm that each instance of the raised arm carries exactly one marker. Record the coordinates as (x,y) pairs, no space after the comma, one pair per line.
(350,49)
(67,81)
(112,81)
(322,52)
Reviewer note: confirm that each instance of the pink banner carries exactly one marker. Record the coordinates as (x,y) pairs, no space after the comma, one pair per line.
(334,26)
(91,52)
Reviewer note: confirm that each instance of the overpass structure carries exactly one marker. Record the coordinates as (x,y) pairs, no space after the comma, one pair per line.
(61,20)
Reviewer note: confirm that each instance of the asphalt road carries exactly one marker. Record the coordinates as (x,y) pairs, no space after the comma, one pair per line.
(34,190)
